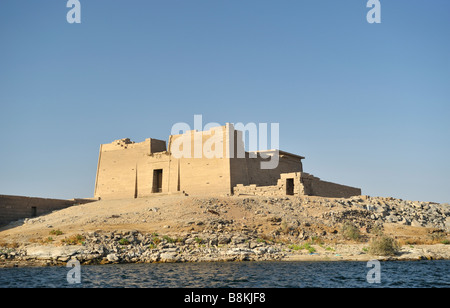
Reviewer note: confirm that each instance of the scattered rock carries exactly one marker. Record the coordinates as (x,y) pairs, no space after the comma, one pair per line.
(112,257)
(216,230)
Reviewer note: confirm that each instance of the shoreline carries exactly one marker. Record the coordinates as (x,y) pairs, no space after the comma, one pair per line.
(41,263)
(135,247)
(293,258)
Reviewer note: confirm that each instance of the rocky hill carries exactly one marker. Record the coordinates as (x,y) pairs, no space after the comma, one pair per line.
(177,228)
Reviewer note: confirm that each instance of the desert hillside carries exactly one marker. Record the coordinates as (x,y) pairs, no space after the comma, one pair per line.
(289,220)
(292,217)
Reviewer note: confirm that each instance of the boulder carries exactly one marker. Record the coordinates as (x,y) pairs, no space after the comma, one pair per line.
(53,252)
(112,257)
(169,257)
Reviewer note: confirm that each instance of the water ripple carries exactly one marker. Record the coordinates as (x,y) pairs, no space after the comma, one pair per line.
(419,274)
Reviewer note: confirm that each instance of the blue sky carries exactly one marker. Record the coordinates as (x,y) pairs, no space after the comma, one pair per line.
(367,104)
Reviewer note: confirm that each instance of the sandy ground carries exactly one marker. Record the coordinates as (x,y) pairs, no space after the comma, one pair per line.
(171,213)
(290,219)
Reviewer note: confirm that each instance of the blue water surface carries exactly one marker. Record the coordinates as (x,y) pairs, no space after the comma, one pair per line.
(411,274)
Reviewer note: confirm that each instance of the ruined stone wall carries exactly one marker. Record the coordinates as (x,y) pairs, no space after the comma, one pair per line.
(314,186)
(267,177)
(253,189)
(17,207)
(304,185)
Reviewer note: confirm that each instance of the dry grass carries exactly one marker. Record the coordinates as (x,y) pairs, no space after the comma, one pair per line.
(76,239)
(351,232)
(9,245)
(383,246)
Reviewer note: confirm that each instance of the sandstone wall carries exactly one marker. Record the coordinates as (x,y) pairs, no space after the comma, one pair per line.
(203,166)
(196,163)
(253,189)
(314,186)
(266,177)
(125,169)
(17,207)
(303,184)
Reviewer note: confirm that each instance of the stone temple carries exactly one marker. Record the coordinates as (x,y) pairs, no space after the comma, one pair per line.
(204,162)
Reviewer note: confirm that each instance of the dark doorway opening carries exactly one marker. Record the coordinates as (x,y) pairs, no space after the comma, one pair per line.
(289,186)
(33,211)
(157,180)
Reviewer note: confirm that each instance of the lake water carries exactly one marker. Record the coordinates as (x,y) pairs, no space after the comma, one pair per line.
(413,274)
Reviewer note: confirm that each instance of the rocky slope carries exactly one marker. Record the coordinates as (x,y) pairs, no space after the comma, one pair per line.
(216,228)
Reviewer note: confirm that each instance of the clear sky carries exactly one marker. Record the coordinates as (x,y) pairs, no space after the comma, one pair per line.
(368,105)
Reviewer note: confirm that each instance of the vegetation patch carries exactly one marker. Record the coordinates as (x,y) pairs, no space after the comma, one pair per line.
(306,246)
(351,232)
(383,246)
(155,239)
(55,232)
(124,241)
(76,239)
(439,237)
(169,239)
(47,240)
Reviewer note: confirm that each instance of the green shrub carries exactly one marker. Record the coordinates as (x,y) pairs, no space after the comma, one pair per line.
(295,247)
(56,232)
(308,247)
(350,231)
(383,246)
(168,239)
(124,241)
(156,240)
